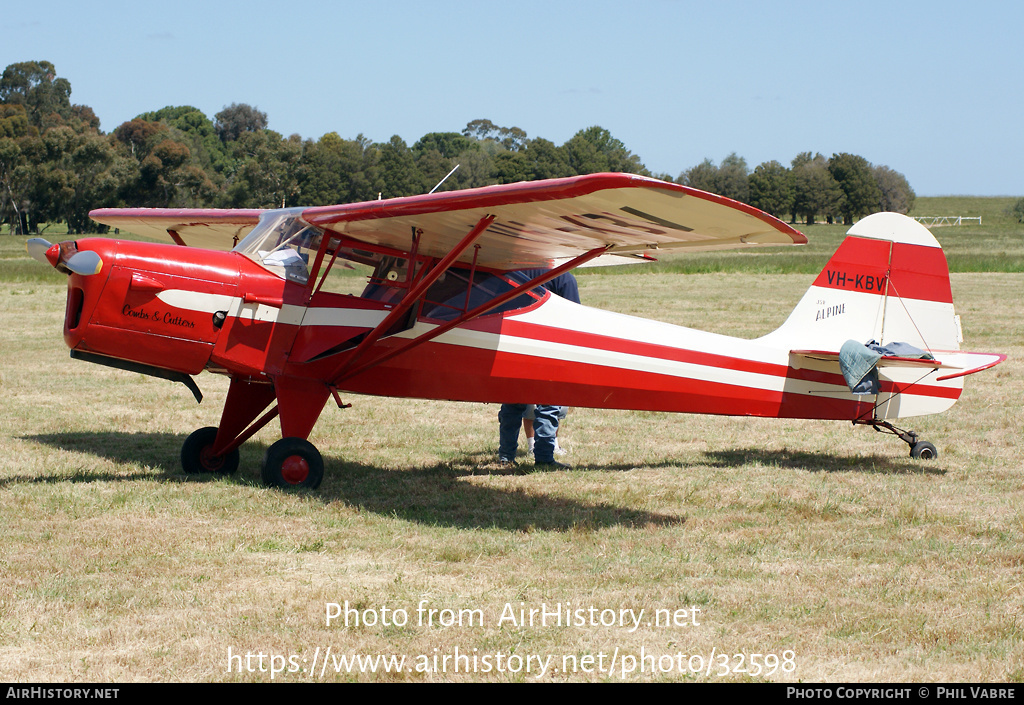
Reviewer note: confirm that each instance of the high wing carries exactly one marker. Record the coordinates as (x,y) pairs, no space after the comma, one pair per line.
(539,222)
(208,228)
(536,224)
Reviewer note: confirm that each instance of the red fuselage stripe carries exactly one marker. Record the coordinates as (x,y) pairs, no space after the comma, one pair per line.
(663,352)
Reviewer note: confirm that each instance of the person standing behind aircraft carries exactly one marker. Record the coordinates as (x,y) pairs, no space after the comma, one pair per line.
(545,422)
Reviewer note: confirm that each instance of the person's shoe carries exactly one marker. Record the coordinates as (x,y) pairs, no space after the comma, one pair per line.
(553,465)
(507,463)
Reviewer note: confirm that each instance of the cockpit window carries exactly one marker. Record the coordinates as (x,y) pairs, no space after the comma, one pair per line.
(388,283)
(452,295)
(282,243)
(447,298)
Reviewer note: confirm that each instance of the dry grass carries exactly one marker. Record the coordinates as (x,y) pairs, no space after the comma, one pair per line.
(812,537)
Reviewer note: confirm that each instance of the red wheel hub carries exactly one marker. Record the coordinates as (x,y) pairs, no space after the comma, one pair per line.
(210,462)
(294,469)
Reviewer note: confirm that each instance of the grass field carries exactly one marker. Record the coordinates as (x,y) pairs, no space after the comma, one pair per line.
(757,549)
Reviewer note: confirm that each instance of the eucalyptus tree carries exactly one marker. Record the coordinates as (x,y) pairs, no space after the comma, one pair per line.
(703,176)
(731,180)
(400,175)
(855,178)
(896,196)
(594,150)
(337,170)
(771,188)
(36,86)
(237,119)
(815,191)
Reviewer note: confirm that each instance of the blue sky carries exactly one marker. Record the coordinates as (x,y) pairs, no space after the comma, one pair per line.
(930,89)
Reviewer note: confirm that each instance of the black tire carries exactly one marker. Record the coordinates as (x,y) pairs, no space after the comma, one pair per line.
(293,462)
(924,450)
(197,458)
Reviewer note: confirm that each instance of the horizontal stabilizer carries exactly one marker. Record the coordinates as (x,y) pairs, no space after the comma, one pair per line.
(884,361)
(969,363)
(964,363)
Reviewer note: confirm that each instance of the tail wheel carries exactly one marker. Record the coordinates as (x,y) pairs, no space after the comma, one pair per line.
(918,449)
(293,462)
(197,454)
(924,450)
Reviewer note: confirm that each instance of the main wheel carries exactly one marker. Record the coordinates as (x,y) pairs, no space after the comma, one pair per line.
(923,450)
(197,455)
(293,462)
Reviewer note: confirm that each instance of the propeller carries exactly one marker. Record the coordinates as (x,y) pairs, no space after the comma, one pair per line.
(85,263)
(64,256)
(36,248)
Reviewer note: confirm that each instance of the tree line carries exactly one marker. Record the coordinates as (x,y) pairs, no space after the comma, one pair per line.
(56,164)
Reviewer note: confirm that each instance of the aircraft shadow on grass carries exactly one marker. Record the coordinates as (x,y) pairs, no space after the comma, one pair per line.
(432,495)
(817,462)
(435,494)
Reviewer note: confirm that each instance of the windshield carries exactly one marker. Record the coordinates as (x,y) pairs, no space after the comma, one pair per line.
(282,243)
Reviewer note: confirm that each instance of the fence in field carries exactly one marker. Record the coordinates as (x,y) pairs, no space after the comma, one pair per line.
(933,221)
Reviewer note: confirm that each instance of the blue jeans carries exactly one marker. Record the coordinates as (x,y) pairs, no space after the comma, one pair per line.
(545,428)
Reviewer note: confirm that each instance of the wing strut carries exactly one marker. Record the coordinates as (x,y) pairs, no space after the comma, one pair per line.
(346,371)
(417,291)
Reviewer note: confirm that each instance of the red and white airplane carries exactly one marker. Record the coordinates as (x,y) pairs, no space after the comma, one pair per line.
(444,316)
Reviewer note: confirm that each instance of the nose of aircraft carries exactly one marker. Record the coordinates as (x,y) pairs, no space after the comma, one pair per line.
(64,256)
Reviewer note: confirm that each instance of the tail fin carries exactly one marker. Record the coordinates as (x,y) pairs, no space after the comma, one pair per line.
(888,282)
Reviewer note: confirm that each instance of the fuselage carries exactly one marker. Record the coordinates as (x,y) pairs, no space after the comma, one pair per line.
(190,310)
(559,352)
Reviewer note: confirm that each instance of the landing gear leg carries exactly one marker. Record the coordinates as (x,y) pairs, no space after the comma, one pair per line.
(918,448)
(215,449)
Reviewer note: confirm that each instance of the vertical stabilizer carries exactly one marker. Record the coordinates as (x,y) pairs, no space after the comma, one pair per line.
(887,282)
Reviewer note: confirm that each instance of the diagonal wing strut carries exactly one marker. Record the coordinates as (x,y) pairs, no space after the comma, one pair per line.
(346,371)
(403,306)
